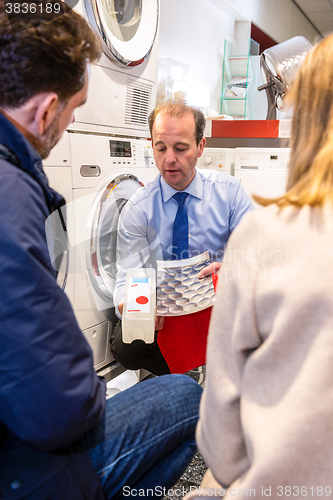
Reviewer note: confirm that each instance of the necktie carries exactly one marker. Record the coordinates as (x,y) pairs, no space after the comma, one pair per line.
(180,229)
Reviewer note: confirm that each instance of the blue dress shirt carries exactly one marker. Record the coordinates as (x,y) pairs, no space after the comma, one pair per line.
(215,205)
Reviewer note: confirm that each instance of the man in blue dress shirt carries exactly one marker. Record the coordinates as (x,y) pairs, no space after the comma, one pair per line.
(215,204)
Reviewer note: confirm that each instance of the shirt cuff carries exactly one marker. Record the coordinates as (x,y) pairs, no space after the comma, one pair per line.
(118,298)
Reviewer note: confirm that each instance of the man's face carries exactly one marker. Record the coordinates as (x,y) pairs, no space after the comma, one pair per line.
(64,116)
(175,149)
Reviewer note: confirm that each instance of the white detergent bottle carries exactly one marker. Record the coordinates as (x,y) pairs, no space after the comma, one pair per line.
(138,321)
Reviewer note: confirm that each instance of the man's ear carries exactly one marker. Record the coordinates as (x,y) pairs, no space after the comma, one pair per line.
(45,111)
(202,145)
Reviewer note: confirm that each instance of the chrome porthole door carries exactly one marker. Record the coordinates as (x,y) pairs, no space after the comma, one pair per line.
(127,27)
(104,230)
(58,244)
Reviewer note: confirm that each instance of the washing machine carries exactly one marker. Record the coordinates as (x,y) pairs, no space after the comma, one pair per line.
(262,171)
(96,174)
(122,86)
(221,159)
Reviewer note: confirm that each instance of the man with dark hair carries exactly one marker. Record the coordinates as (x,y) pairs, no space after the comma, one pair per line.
(214,204)
(59,437)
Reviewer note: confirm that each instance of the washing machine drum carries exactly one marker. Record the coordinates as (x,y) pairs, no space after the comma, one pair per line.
(127,28)
(104,231)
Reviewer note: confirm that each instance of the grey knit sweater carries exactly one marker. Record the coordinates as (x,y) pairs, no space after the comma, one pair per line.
(266,417)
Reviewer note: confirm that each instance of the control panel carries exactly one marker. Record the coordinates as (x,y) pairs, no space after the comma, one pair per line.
(264,159)
(133,152)
(221,159)
(263,171)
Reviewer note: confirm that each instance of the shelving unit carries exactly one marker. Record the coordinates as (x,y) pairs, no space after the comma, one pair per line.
(237,84)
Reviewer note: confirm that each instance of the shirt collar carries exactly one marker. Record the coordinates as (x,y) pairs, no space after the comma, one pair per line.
(194,189)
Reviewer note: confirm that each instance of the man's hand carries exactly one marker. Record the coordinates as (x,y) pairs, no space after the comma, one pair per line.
(159,320)
(214,267)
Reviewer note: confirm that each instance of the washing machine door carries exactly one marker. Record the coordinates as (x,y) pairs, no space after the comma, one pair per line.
(58,244)
(103,232)
(127,28)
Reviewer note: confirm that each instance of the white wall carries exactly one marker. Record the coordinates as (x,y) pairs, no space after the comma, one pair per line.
(195,36)
(280,19)
(193,33)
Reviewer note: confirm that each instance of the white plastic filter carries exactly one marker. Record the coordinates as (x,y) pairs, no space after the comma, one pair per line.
(179,289)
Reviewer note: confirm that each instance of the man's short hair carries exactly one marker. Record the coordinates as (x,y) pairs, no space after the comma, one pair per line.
(178,108)
(43,50)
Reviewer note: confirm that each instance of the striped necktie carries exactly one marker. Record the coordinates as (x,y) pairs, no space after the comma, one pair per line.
(180,229)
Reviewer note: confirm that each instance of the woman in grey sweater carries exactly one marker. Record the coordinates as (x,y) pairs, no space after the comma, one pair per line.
(266,420)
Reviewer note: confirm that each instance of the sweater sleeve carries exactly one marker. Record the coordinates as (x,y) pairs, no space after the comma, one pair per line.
(49,391)
(233,335)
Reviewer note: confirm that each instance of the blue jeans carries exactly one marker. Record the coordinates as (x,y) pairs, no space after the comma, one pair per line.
(145,439)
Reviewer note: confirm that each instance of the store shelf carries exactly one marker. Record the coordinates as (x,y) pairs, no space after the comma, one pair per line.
(236,84)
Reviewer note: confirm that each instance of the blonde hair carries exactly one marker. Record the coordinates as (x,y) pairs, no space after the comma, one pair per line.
(310,180)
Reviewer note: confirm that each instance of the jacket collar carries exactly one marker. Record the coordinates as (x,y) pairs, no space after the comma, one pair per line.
(28,158)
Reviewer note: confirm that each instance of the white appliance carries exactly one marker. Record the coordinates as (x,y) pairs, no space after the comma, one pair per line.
(122,85)
(262,171)
(222,159)
(103,158)
(97,175)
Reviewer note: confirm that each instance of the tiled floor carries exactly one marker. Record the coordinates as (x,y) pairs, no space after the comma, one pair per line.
(198,374)
(190,479)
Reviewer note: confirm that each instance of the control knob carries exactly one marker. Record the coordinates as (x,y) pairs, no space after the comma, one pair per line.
(147,152)
(208,160)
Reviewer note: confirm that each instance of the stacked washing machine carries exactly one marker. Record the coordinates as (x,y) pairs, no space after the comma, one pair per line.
(103,158)
(262,171)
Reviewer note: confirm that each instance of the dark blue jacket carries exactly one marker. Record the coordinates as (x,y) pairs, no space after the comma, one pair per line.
(50,394)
